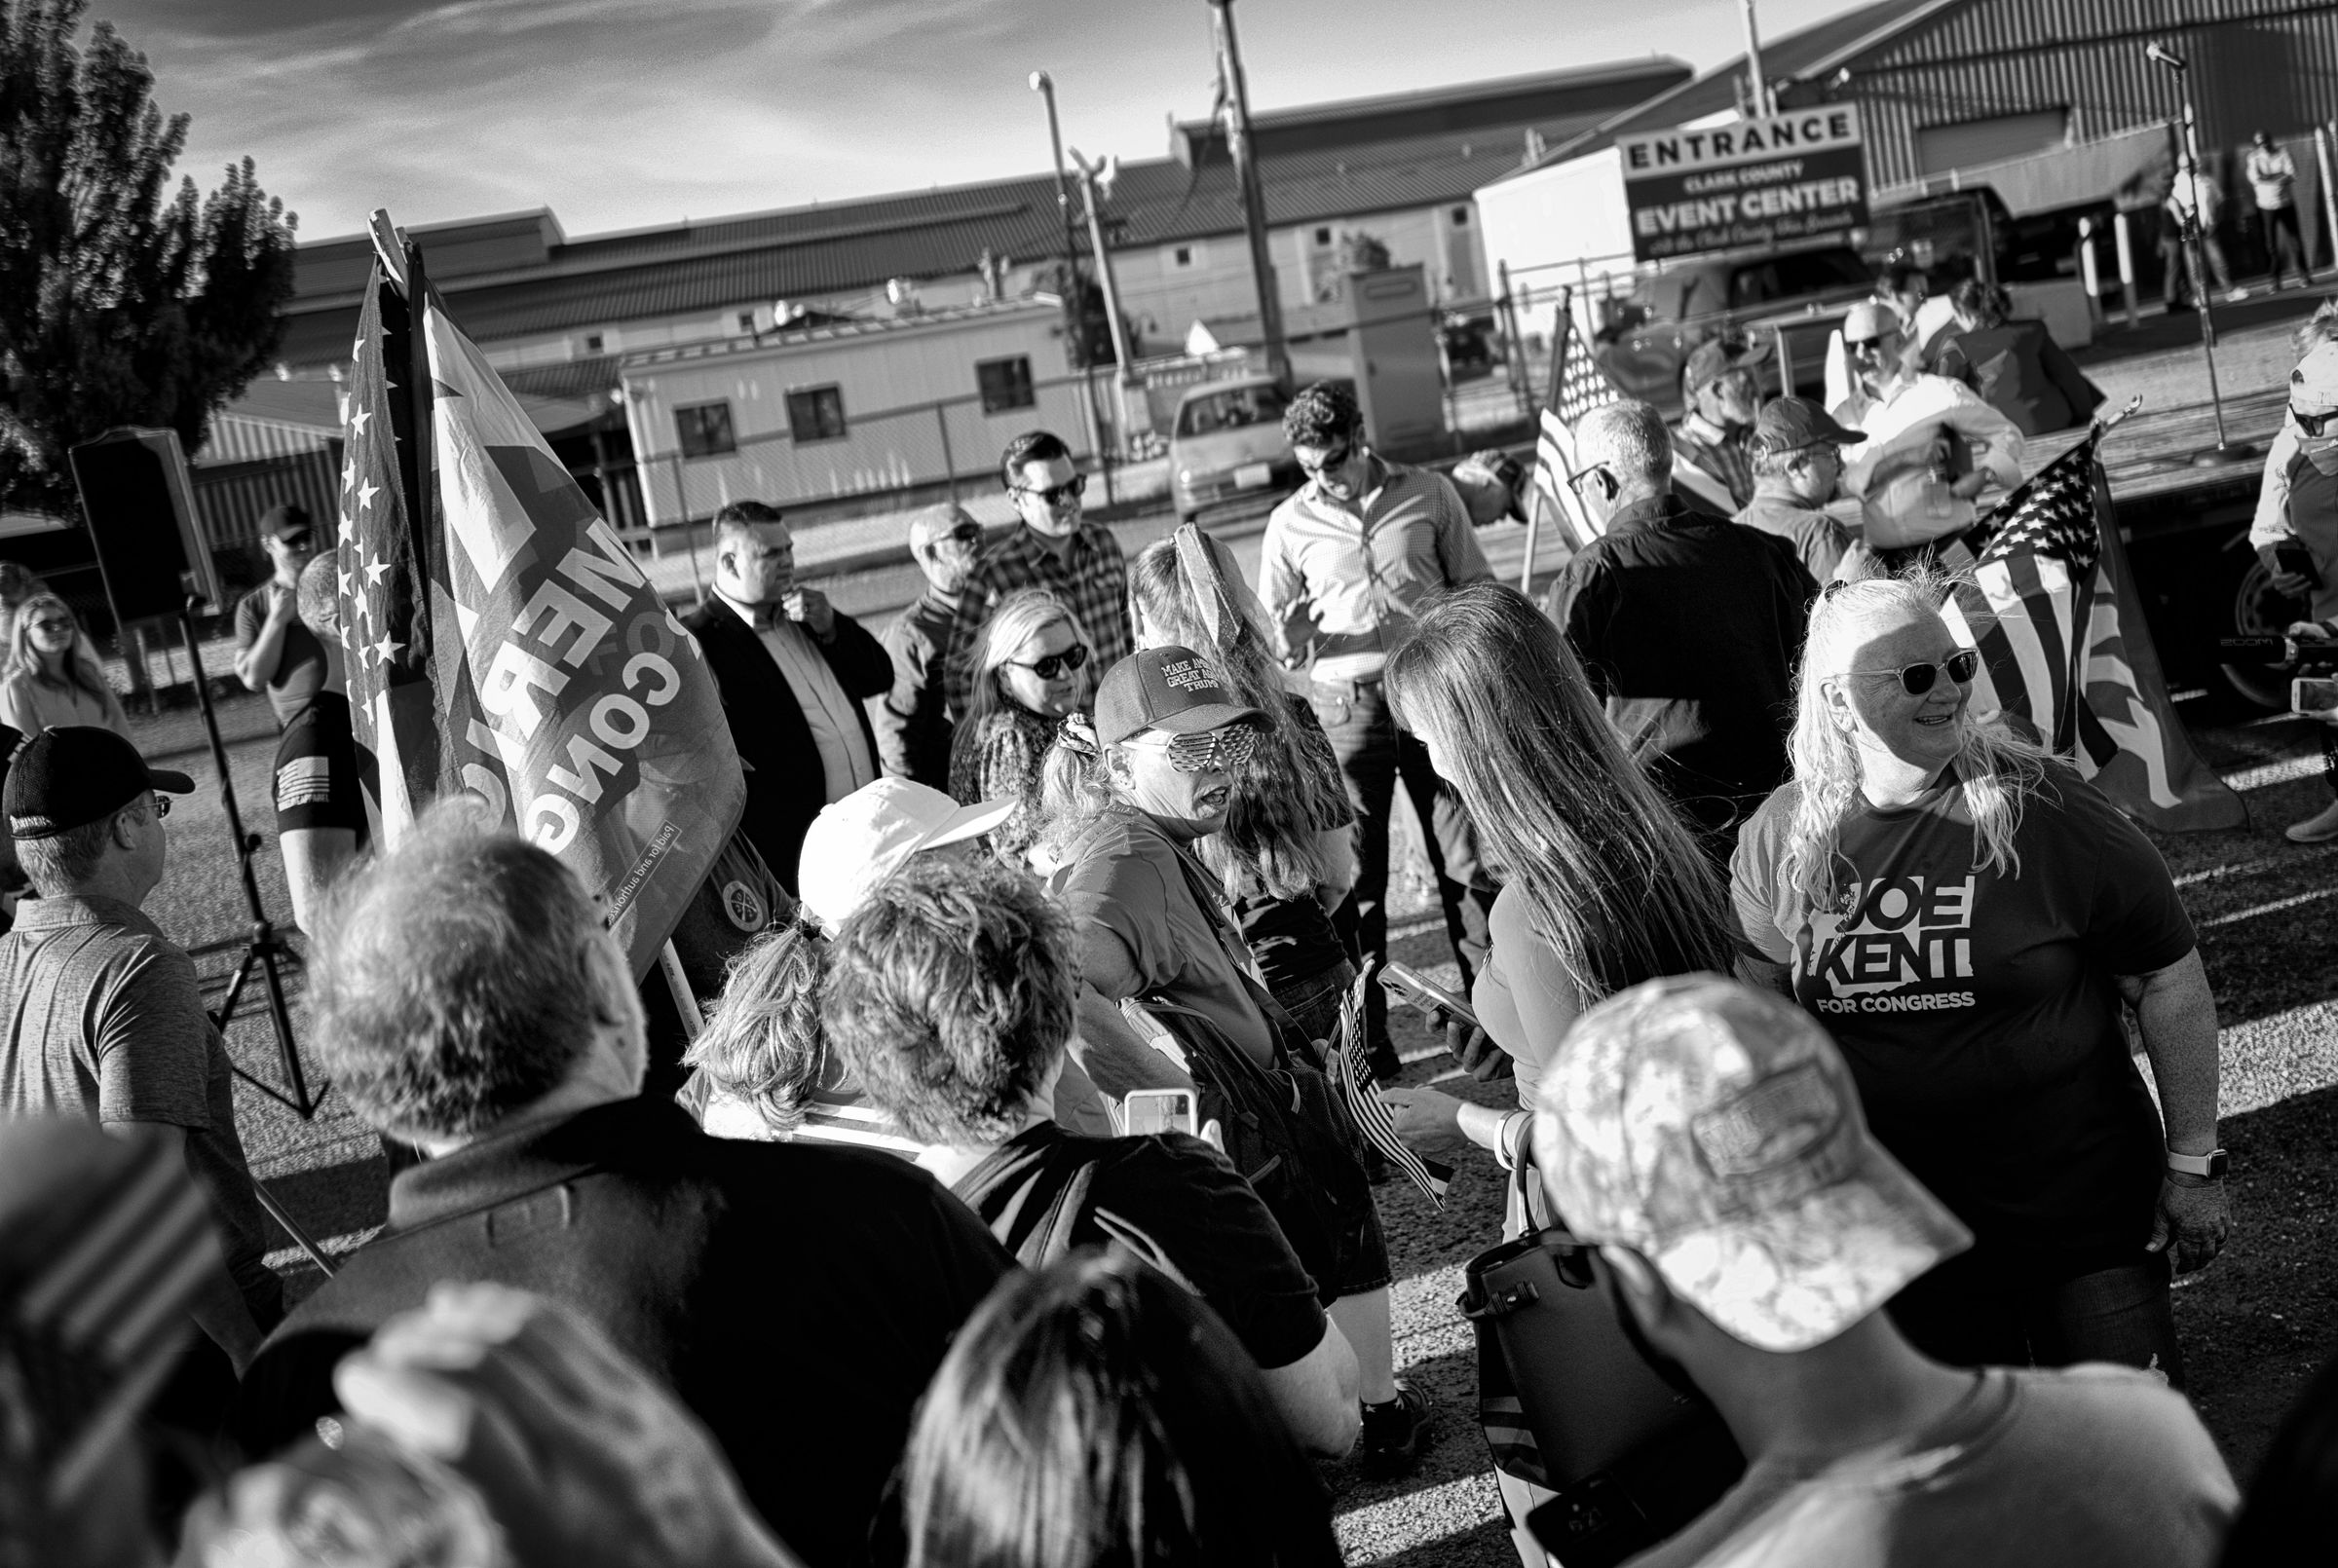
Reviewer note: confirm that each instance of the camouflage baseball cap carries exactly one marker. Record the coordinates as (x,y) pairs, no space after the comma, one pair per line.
(1714,1129)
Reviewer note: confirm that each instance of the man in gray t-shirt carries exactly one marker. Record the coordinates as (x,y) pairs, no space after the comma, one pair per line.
(99,1012)
(1709,1138)
(276,653)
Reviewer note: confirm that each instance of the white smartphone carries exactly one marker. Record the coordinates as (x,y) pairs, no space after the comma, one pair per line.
(2314,694)
(1159,1110)
(1409,985)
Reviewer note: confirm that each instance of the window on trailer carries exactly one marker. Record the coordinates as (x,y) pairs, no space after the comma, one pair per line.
(1005,384)
(816,414)
(704,430)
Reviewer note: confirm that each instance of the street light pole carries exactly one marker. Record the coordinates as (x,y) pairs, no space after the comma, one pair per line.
(1239,141)
(2225,450)
(1074,294)
(1758,94)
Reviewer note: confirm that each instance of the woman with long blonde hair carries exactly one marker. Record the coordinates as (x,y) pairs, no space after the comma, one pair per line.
(1029,670)
(1968,915)
(52,677)
(1604,885)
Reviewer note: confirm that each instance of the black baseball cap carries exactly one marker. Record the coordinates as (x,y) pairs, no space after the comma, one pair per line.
(75,775)
(1171,689)
(1790,423)
(288,524)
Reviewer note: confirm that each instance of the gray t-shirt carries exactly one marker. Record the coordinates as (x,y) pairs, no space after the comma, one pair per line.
(300,668)
(2094,1467)
(101,1018)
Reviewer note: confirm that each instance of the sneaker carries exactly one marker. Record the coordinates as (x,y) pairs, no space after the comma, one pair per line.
(2319,828)
(2237,295)
(1396,1432)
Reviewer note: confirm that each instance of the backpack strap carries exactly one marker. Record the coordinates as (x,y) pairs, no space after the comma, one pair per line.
(1051,1237)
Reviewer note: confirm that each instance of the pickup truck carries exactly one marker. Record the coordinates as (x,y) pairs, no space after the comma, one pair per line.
(1672,308)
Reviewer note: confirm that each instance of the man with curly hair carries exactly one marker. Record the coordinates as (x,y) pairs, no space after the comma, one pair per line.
(950,992)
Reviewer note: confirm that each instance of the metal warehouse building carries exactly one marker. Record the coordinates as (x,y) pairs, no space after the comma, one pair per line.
(1952,83)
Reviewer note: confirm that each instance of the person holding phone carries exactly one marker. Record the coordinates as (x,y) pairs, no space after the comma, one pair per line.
(1607,887)
(951,994)
(2295,529)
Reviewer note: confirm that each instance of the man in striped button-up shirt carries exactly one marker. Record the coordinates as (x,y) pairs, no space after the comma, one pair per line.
(1348,563)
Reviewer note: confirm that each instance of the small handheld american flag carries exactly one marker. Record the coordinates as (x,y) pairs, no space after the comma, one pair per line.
(1351,1069)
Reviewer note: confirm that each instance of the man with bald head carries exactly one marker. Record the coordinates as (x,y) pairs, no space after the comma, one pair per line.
(912,719)
(1688,626)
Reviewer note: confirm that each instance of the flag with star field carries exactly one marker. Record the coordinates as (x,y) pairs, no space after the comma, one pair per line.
(2053,610)
(501,641)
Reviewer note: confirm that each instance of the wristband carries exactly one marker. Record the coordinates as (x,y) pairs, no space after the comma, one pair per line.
(1506,1150)
(2210,1165)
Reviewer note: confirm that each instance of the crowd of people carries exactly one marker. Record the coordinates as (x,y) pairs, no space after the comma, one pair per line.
(1020,1204)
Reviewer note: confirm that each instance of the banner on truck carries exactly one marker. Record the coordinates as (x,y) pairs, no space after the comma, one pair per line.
(1752,182)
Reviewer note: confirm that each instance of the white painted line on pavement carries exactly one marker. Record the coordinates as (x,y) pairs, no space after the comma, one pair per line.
(2249,868)
(2268,774)
(2275,907)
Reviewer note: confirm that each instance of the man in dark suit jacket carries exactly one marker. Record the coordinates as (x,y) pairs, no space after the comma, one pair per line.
(794,675)
(796,1298)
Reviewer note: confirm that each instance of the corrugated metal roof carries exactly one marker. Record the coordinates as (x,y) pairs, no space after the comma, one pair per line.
(1815,50)
(842,248)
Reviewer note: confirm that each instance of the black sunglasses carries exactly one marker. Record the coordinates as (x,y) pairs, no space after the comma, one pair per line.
(1049,666)
(2312,423)
(1336,458)
(1918,678)
(967,534)
(1053,495)
(1574,480)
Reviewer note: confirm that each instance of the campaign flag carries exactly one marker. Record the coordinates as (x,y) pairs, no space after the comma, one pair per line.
(1350,1064)
(501,640)
(2053,610)
(1577,387)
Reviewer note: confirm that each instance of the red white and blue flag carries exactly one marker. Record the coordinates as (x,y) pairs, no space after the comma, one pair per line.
(501,641)
(1577,387)
(2053,610)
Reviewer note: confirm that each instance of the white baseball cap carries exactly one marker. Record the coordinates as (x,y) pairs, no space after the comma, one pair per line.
(861,839)
(2313,384)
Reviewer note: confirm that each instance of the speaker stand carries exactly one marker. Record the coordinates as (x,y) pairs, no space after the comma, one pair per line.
(263,947)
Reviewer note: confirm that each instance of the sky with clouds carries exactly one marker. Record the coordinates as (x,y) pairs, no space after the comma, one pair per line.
(622,114)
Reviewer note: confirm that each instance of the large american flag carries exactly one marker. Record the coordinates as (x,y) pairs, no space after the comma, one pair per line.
(501,641)
(2052,608)
(1577,387)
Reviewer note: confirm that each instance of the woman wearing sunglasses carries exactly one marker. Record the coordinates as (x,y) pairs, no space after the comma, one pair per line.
(1031,669)
(52,677)
(1967,916)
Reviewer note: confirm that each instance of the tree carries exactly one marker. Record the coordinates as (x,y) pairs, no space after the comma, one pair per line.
(117,306)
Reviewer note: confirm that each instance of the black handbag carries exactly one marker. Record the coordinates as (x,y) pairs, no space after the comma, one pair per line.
(1570,1405)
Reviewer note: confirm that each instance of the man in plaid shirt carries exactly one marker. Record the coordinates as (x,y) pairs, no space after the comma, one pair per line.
(1078,562)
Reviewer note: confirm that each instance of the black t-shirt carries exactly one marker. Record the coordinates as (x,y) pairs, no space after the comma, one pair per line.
(1979,1011)
(300,658)
(316,781)
(1173,1201)
(1689,628)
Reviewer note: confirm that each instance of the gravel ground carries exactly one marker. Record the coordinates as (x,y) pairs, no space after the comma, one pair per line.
(2255,1324)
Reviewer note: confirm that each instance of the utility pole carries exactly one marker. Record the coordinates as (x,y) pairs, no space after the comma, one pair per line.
(1757,92)
(1074,292)
(1091,178)
(1236,91)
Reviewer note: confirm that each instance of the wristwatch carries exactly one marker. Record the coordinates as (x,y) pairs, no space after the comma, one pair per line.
(2210,1165)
